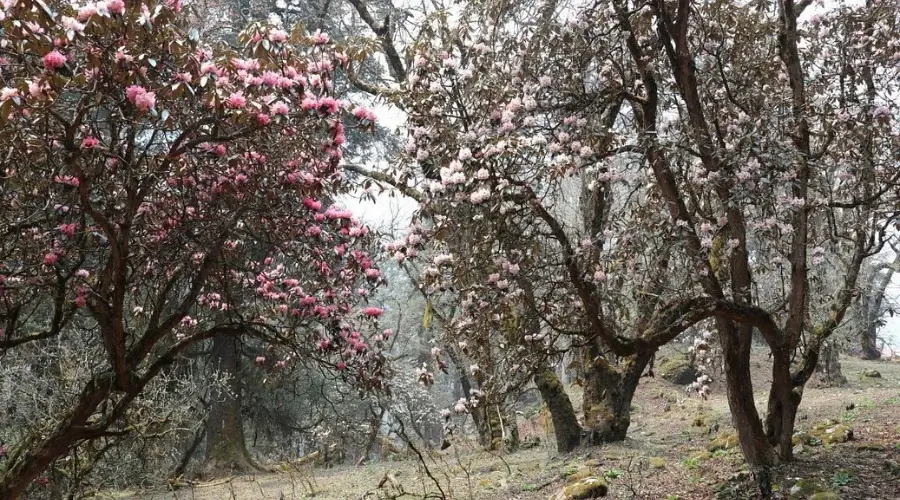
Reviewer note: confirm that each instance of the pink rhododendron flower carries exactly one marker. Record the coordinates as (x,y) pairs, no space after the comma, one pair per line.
(54,60)
(50,259)
(372,312)
(312,204)
(236,100)
(8,93)
(320,38)
(480,196)
(89,142)
(68,229)
(115,6)
(263,119)
(86,12)
(139,96)
(278,36)
(363,113)
(279,108)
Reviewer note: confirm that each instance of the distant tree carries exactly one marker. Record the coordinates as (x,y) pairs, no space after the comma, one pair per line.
(157,194)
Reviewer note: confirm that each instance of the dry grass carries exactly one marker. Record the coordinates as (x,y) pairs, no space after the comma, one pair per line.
(665,456)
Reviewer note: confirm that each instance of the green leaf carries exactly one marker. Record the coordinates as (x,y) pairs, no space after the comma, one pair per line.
(426,319)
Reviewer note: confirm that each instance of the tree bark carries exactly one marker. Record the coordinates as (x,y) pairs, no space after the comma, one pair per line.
(829,366)
(873,301)
(226,447)
(608,393)
(736,341)
(868,343)
(565,422)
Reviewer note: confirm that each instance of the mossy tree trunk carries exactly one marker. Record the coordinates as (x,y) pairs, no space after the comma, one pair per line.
(226,447)
(491,417)
(565,422)
(608,393)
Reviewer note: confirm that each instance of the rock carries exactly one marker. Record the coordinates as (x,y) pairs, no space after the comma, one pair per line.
(582,473)
(805,488)
(805,438)
(871,374)
(831,432)
(677,369)
(591,487)
(825,495)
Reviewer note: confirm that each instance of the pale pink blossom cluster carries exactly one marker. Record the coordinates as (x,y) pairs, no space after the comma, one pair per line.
(140,97)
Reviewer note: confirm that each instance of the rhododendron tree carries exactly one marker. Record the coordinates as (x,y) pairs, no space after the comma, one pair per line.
(159,193)
(766,197)
(530,233)
(712,202)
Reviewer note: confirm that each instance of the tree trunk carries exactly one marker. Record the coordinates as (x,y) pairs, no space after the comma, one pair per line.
(736,342)
(608,393)
(782,407)
(226,448)
(873,301)
(490,433)
(374,431)
(868,342)
(565,422)
(510,426)
(829,366)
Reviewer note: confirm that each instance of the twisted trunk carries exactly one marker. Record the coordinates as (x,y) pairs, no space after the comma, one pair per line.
(608,393)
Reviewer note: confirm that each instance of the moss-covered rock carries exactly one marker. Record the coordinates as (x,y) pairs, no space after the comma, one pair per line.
(871,374)
(806,488)
(831,432)
(591,487)
(677,369)
(725,440)
(825,495)
(805,438)
(582,473)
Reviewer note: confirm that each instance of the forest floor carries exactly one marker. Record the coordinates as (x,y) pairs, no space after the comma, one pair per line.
(669,454)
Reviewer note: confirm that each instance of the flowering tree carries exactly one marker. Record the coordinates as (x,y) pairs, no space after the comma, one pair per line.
(159,193)
(501,149)
(763,195)
(691,202)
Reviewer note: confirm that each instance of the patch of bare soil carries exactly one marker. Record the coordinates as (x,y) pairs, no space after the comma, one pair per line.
(679,447)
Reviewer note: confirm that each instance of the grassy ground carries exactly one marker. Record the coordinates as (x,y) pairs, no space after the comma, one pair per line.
(667,455)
